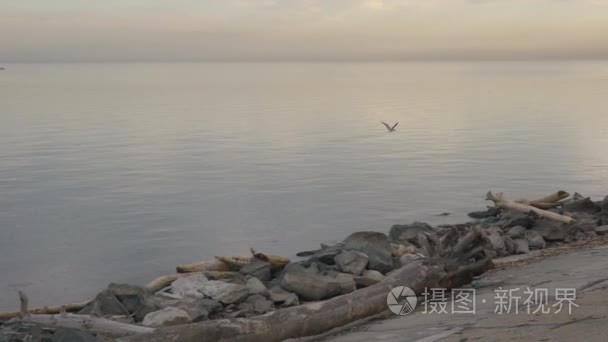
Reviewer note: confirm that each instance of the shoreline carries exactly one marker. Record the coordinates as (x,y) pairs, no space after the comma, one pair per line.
(262,284)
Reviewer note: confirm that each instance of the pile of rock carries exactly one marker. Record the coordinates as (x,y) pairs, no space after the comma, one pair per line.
(361,260)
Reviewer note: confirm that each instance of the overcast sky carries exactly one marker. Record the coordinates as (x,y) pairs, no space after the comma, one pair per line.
(260,30)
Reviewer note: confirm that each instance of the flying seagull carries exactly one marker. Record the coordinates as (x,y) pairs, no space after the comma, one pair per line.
(389,128)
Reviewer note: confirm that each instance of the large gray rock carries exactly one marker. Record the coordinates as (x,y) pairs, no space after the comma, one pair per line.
(226,293)
(376,246)
(309,285)
(166,317)
(368,278)
(516,232)
(257,268)
(509,246)
(535,240)
(583,205)
(496,241)
(283,298)
(551,231)
(409,232)
(351,262)
(105,304)
(346,280)
(327,254)
(259,304)
(521,246)
(601,230)
(188,285)
(198,309)
(72,335)
(256,286)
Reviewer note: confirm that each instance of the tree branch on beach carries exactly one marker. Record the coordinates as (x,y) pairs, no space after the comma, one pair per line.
(501,202)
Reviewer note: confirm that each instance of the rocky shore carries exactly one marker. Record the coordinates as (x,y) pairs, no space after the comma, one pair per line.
(255,286)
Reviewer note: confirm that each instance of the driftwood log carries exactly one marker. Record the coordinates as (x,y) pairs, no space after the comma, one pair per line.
(95,325)
(501,202)
(550,201)
(232,263)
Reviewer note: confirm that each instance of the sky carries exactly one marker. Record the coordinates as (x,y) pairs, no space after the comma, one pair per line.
(300,30)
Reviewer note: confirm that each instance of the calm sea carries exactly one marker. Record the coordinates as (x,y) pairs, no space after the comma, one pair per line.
(118,172)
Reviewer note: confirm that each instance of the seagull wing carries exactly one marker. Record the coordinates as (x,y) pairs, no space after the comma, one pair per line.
(386,125)
(392,128)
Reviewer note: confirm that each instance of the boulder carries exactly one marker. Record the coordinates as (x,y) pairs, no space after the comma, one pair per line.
(491,212)
(535,240)
(199,309)
(516,232)
(166,317)
(551,231)
(409,232)
(189,284)
(521,246)
(326,255)
(72,335)
(309,285)
(509,246)
(346,280)
(368,278)
(601,230)
(376,246)
(257,268)
(284,298)
(583,205)
(105,304)
(226,293)
(351,262)
(256,286)
(259,304)
(495,240)
(512,219)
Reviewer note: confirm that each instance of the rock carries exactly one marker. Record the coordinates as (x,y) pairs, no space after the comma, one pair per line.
(72,335)
(484,214)
(583,223)
(585,205)
(516,232)
(368,278)
(166,317)
(198,309)
(591,234)
(257,268)
(326,255)
(601,230)
(509,245)
(511,219)
(226,293)
(376,246)
(409,232)
(497,243)
(580,235)
(407,258)
(351,262)
(308,285)
(535,240)
(105,304)
(521,246)
(284,298)
(347,282)
(255,286)
(259,304)
(551,231)
(188,284)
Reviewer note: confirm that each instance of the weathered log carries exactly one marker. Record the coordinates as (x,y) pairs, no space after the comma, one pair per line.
(232,263)
(46,310)
(549,199)
(95,325)
(315,318)
(166,280)
(501,202)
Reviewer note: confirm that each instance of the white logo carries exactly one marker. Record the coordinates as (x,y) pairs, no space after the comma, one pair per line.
(401,300)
